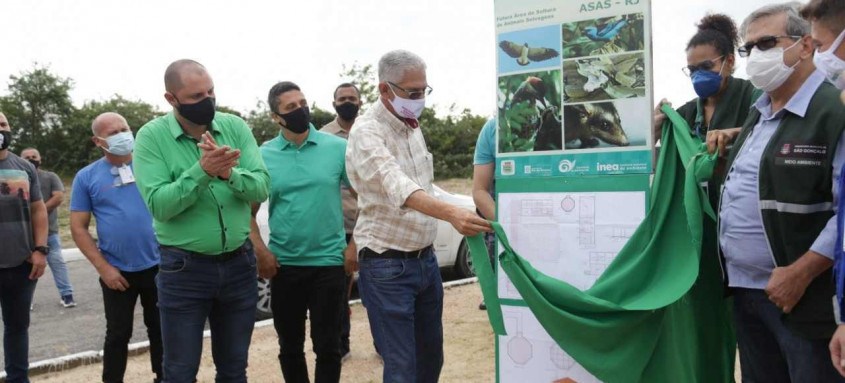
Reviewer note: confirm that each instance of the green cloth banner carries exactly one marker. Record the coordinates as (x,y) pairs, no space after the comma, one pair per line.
(657,314)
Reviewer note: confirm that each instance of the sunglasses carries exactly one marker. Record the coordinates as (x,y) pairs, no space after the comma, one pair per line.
(704,65)
(413,94)
(763,44)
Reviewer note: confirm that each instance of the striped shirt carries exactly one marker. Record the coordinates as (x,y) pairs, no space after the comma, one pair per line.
(387,161)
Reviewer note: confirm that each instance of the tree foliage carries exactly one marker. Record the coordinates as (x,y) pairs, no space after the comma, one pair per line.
(42,115)
(364,77)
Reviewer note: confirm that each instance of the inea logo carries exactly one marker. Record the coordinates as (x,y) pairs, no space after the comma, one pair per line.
(607,167)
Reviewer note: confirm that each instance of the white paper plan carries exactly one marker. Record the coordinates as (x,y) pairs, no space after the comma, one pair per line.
(528,353)
(572,237)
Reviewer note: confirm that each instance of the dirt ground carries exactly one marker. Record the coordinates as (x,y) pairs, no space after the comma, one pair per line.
(469,350)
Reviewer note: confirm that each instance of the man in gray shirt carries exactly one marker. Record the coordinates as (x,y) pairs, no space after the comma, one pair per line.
(52,191)
(23,254)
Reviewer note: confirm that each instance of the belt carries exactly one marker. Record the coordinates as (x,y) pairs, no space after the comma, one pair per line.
(390,253)
(222,257)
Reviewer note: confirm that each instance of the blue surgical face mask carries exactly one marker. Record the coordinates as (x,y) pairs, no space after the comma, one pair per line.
(120,144)
(707,83)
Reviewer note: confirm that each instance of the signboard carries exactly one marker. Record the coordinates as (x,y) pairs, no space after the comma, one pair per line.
(573,87)
(574,154)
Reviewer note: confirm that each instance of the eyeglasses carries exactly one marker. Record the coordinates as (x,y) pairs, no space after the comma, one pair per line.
(763,44)
(412,94)
(704,65)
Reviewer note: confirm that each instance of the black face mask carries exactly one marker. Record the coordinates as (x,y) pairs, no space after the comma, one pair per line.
(35,163)
(200,113)
(297,121)
(7,139)
(347,111)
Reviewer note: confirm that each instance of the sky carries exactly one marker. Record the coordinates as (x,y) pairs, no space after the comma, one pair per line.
(122,47)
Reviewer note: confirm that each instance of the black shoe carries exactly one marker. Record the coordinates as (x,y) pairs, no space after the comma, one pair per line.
(482,306)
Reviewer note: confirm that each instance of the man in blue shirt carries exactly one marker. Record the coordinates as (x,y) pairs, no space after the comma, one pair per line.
(483,183)
(126,252)
(827,19)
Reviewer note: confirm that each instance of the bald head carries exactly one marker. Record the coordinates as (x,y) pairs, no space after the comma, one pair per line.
(177,70)
(106,122)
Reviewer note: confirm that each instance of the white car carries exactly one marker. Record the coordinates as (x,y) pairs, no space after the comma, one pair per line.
(450,247)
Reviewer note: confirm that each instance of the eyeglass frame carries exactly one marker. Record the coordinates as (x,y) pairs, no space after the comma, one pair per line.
(698,67)
(415,95)
(745,50)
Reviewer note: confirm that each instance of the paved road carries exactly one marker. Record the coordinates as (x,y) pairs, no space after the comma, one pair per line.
(57,331)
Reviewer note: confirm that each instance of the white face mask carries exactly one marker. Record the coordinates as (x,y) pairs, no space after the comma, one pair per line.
(766,69)
(831,65)
(405,107)
(121,144)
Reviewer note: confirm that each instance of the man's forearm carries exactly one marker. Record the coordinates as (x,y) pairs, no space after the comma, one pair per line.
(54,202)
(86,244)
(485,204)
(39,223)
(430,206)
(811,265)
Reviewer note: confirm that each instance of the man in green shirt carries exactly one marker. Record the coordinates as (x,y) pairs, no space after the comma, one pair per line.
(307,236)
(198,171)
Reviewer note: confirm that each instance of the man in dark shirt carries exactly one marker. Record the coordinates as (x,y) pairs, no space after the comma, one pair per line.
(23,256)
(52,192)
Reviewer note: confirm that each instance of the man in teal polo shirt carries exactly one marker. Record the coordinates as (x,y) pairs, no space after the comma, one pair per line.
(198,172)
(307,238)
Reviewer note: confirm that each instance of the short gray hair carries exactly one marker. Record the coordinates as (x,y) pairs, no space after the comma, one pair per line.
(795,24)
(393,65)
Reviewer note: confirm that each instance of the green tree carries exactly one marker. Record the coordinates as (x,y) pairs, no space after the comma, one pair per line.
(451,141)
(71,148)
(320,117)
(364,77)
(36,106)
(226,109)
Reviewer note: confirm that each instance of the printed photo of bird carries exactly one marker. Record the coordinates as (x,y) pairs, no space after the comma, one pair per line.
(533,89)
(525,54)
(605,31)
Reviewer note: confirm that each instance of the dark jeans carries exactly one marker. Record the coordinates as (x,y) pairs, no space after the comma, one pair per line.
(345,318)
(769,352)
(120,315)
(192,289)
(16,291)
(404,300)
(296,291)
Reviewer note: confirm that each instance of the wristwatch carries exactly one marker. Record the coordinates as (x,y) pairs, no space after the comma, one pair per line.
(42,249)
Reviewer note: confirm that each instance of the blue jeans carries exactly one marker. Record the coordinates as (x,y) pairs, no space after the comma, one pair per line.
(58,266)
(404,300)
(16,291)
(769,352)
(194,288)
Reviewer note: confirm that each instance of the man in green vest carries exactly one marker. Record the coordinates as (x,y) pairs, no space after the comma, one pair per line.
(827,19)
(777,217)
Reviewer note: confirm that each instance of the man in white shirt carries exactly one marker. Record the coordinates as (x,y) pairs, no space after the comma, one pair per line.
(389,166)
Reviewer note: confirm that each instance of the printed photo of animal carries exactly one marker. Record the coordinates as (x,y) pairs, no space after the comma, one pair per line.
(528,50)
(604,78)
(608,35)
(529,107)
(586,125)
(525,54)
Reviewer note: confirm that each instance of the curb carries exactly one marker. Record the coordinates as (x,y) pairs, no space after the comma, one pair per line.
(91,357)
